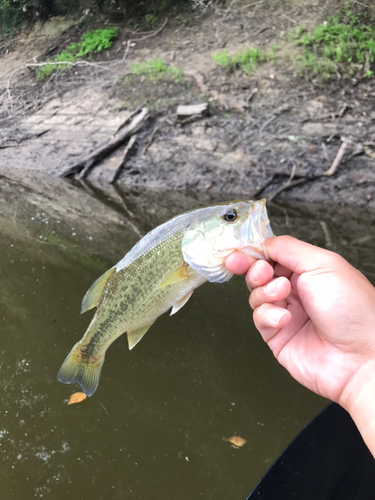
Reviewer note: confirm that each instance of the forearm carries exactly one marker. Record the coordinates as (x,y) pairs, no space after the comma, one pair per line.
(359,400)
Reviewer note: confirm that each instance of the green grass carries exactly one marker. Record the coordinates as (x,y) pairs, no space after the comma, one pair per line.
(248,60)
(344,44)
(156,69)
(90,43)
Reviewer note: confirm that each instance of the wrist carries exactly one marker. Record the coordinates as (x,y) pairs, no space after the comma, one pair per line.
(358,398)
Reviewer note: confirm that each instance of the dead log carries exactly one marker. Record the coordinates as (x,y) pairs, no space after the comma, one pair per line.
(85,164)
(191,110)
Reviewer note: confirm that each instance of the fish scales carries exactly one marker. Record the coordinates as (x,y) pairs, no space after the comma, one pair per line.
(161,272)
(139,303)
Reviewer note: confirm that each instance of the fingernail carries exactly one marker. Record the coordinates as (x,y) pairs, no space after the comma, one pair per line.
(274,315)
(270,288)
(253,274)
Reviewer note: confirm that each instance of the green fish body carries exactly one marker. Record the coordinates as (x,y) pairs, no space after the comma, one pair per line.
(161,272)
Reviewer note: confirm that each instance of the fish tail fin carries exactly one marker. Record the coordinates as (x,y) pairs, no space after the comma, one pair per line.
(82,368)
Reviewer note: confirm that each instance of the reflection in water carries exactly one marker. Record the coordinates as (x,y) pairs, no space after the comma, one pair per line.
(155,426)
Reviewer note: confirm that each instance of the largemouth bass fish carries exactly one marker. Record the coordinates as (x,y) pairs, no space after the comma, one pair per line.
(161,272)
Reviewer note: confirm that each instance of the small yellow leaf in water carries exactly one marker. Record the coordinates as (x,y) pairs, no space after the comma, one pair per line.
(237,441)
(77,397)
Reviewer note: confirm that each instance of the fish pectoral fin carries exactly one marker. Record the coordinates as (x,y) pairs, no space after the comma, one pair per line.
(134,336)
(95,291)
(180,303)
(175,276)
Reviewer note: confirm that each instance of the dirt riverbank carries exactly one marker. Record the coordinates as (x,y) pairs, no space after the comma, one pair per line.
(260,132)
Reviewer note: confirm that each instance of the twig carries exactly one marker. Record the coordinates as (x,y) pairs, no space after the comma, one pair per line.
(156,129)
(127,151)
(289,183)
(336,162)
(325,152)
(270,120)
(250,5)
(251,95)
(85,164)
(126,51)
(153,33)
(289,19)
(262,188)
(326,233)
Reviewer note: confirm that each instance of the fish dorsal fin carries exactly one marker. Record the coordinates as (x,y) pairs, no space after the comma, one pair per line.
(134,336)
(180,303)
(94,293)
(175,276)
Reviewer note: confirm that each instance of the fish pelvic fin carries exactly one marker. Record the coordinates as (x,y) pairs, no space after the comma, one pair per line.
(175,276)
(81,368)
(93,294)
(134,336)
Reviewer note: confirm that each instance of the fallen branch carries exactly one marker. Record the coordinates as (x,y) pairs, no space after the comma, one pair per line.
(336,162)
(127,152)
(84,165)
(153,33)
(289,185)
(191,110)
(301,180)
(153,133)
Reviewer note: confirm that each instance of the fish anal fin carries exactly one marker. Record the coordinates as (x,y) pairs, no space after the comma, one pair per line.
(175,276)
(81,368)
(94,293)
(134,336)
(180,303)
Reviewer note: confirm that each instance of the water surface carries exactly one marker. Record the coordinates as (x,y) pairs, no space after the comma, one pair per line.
(156,426)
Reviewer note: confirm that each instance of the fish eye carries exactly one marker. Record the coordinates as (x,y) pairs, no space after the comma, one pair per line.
(231,215)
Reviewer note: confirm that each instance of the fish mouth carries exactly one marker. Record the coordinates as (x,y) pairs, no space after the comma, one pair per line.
(255,230)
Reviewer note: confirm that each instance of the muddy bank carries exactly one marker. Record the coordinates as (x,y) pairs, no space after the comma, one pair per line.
(259,131)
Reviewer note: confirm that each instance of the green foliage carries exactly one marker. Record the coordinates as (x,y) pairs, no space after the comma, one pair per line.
(151,19)
(13,12)
(343,42)
(89,44)
(94,41)
(10,13)
(64,56)
(155,69)
(248,60)
(309,62)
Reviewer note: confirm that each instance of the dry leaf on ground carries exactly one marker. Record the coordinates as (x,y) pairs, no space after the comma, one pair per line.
(237,441)
(77,397)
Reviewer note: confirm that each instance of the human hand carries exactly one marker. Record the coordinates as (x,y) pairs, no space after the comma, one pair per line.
(317,314)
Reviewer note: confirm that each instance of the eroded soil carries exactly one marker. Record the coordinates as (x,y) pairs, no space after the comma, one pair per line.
(259,129)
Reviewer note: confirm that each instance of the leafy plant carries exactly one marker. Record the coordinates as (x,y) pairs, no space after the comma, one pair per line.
(90,43)
(94,41)
(342,41)
(151,19)
(155,69)
(248,60)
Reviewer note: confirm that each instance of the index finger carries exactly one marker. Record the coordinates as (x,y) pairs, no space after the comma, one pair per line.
(297,255)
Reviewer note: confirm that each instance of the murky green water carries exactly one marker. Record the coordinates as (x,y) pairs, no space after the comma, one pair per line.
(155,428)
